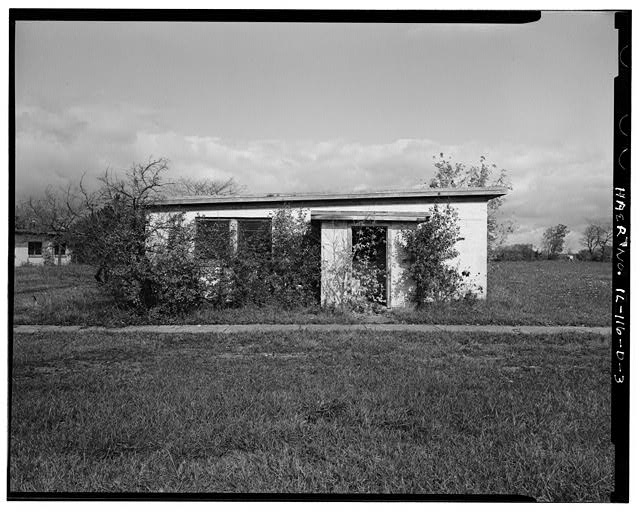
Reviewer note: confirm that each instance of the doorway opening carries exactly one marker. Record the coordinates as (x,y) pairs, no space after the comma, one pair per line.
(369,245)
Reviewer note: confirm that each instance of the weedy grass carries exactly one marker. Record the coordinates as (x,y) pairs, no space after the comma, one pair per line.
(537,293)
(63,295)
(352,412)
(546,292)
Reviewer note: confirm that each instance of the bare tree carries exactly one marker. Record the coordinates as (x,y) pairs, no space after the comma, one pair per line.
(22,216)
(111,223)
(143,260)
(54,212)
(204,187)
(116,230)
(46,213)
(87,219)
(589,238)
(605,238)
(597,236)
(139,185)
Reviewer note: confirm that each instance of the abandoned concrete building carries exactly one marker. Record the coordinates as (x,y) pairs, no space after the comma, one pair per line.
(334,216)
(34,247)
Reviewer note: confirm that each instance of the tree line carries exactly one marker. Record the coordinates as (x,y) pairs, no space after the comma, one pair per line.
(596,240)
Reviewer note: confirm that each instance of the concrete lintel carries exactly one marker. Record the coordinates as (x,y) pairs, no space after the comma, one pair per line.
(366,215)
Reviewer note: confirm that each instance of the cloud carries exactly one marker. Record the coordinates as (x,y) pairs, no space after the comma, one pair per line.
(54,147)
(551,184)
(568,184)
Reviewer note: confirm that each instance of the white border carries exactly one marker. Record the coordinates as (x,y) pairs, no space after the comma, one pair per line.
(282,4)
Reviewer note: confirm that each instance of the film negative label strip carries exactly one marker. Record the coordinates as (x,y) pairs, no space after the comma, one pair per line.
(620,340)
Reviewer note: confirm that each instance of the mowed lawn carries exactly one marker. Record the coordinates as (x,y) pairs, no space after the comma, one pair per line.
(538,293)
(307,412)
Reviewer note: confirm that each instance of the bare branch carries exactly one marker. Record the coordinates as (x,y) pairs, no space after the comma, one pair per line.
(205,187)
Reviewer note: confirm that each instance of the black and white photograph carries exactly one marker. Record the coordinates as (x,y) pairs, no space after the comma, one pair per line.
(309,255)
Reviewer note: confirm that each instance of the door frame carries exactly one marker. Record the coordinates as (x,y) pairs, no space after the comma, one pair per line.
(387,269)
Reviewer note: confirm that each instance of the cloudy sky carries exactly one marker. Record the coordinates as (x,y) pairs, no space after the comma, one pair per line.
(322,107)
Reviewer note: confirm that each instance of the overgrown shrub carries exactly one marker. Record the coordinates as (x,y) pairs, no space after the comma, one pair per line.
(368,276)
(175,271)
(279,267)
(516,252)
(165,277)
(47,255)
(162,265)
(428,249)
(295,259)
(603,255)
(251,276)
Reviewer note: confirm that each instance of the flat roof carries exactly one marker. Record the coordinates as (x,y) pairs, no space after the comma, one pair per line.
(319,197)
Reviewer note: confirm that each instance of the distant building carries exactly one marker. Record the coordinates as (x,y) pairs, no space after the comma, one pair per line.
(335,217)
(37,248)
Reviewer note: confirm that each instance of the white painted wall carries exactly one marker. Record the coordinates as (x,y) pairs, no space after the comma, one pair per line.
(472,254)
(21,256)
(335,241)
(401,286)
(473,246)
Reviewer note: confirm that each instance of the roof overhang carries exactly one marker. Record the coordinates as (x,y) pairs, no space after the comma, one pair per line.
(22,231)
(311,199)
(367,216)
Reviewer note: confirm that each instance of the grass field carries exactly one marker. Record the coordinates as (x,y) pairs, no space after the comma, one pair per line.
(541,293)
(334,412)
